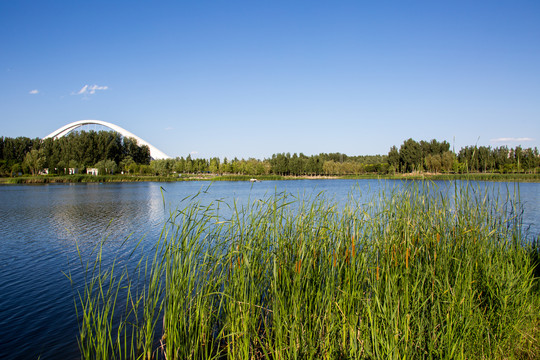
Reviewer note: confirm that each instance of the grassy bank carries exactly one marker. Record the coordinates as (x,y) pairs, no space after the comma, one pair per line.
(49,179)
(403,275)
(52,179)
(247,177)
(473,177)
(449,177)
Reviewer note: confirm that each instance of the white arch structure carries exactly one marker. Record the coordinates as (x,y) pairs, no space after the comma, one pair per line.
(155,153)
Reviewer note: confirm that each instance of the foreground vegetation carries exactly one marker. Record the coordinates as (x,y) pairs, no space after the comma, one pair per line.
(409,274)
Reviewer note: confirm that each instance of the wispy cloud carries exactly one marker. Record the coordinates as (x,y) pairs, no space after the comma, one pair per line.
(194,152)
(34,92)
(91,89)
(511,139)
(169,128)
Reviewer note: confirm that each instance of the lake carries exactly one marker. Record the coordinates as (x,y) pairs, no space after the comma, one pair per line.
(44,228)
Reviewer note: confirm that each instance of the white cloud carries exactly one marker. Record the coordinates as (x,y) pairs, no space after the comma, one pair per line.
(91,89)
(512,139)
(169,128)
(34,92)
(83,90)
(194,152)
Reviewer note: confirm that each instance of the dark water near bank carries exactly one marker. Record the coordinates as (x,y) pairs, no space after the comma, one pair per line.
(40,227)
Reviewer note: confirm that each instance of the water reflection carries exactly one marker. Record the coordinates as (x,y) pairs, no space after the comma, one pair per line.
(114,211)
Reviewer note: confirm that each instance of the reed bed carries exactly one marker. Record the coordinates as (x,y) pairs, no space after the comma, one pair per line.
(412,273)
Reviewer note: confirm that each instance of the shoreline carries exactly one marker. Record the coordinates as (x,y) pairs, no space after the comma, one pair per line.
(48,179)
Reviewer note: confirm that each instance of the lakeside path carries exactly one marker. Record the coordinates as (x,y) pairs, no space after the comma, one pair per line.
(47,179)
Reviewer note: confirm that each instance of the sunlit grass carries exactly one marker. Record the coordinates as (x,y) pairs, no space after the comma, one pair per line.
(411,273)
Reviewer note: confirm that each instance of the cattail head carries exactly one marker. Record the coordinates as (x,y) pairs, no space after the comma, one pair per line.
(407,259)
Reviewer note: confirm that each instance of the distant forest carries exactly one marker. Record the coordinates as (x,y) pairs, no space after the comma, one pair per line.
(111,153)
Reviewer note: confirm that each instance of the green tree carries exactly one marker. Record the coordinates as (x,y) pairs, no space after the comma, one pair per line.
(447,161)
(34,160)
(107,166)
(16,169)
(126,163)
(393,158)
(226,167)
(179,165)
(433,163)
(189,165)
(214,165)
(296,165)
(280,164)
(410,154)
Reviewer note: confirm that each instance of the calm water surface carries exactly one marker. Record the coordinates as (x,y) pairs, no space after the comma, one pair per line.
(41,225)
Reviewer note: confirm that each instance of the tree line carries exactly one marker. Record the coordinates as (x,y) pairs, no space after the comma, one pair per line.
(112,153)
(412,156)
(500,159)
(106,150)
(420,156)
(279,164)
(436,157)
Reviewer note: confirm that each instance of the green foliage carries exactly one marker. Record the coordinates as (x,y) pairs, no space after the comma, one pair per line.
(334,164)
(436,157)
(501,159)
(393,158)
(106,167)
(76,150)
(412,274)
(86,149)
(410,156)
(34,160)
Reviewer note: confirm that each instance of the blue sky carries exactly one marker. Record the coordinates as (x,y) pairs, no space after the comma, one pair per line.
(254,78)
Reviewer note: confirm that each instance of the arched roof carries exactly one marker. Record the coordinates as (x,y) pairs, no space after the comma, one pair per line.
(155,153)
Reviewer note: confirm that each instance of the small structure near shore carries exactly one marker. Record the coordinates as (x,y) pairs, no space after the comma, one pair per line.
(92,171)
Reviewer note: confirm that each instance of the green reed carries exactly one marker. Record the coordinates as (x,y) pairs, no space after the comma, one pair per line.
(412,273)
